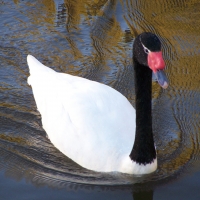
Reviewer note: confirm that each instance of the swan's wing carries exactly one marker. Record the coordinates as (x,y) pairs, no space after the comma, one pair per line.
(83,118)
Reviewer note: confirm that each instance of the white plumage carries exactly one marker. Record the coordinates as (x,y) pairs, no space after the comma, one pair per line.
(89,122)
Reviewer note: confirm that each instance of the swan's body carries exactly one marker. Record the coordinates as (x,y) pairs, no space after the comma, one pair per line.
(90,122)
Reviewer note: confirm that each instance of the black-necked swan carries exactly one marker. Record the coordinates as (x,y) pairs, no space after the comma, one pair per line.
(95,125)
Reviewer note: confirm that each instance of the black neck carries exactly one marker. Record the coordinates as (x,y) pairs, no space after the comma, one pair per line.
(143,151)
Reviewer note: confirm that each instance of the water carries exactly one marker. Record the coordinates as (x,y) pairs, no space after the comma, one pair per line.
(93,39)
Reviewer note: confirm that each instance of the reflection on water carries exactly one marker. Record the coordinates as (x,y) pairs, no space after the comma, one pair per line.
(93,39)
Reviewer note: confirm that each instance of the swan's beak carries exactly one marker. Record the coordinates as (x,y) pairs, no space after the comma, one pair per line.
(161,78)
(157,64)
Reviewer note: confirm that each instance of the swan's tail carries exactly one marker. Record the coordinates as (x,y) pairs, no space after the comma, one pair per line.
(36,68)
(40,79)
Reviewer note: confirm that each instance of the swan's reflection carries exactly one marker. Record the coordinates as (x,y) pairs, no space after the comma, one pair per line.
(143,195)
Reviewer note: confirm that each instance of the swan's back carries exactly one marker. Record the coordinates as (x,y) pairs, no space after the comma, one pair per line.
(90,122)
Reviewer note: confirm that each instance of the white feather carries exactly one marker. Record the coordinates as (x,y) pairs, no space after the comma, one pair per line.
(89,122)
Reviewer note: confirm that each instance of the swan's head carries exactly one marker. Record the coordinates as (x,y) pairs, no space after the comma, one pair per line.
(147,51)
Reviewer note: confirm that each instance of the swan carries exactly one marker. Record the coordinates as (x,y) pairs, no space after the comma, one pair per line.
(95,125)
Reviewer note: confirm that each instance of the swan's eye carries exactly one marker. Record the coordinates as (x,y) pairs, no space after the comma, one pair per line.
(147,51)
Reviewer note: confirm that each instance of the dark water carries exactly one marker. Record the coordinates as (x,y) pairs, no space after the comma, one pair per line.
(93,39)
